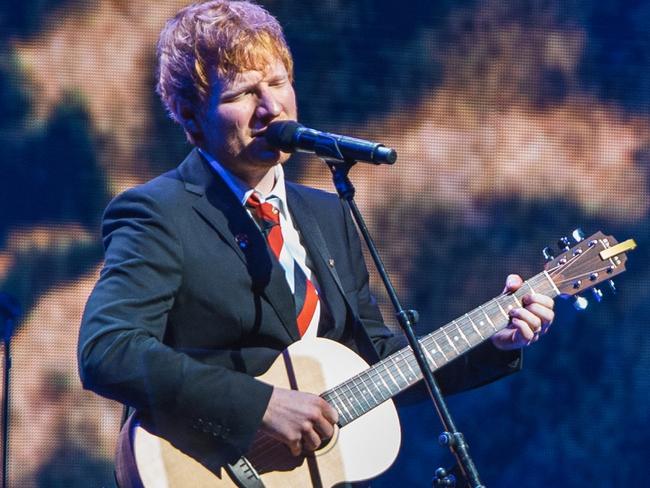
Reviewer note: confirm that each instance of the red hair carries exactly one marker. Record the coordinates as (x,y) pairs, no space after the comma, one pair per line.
(216,38)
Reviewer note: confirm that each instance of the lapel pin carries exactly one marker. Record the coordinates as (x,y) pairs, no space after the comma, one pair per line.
(330,261)
(242,241)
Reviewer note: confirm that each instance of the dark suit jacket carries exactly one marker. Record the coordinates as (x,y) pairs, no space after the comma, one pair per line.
(190,306)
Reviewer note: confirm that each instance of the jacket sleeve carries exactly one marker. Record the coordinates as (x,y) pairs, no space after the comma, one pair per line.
(121,350)
(479,366)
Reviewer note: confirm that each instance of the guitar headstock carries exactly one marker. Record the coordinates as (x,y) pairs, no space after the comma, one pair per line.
(589,262)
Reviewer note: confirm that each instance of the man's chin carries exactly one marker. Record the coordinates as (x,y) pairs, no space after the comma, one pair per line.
(269,157)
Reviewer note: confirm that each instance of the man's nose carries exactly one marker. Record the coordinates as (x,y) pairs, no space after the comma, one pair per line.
(268,107)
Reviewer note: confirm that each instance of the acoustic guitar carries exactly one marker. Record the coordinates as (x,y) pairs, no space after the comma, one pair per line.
(367,436)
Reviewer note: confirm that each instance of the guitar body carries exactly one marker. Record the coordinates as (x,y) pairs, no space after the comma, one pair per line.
(360,450)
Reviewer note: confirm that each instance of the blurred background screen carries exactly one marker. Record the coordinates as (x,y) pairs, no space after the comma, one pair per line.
(515,121)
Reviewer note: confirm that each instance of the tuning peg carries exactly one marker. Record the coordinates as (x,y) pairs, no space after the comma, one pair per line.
(598,294)
(564,244)
(548,253)
(578,235)
(580,303)
(612,286)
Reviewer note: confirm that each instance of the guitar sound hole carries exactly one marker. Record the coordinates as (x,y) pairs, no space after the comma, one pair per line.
(328,444)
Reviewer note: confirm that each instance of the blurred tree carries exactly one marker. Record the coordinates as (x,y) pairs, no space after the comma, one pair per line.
(617,57)
(26,17)
(50,172)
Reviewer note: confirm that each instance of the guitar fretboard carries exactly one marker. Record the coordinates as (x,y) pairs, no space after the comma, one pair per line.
(399,371)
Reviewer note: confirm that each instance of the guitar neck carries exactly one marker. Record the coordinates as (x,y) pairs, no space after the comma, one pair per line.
(397,372)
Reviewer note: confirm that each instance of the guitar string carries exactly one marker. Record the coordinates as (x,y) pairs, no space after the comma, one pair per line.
(466,328)
(368,377)
(270,448)
(574,258)
(405,356)
(271,444)
(588,273)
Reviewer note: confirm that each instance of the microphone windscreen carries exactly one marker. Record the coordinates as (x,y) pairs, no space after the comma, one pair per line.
(281,134)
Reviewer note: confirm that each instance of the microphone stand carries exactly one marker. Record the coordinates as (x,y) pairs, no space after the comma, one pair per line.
(9,312)
(451,438)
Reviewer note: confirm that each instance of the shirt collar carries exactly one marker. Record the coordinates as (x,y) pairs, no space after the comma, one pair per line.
(242,191)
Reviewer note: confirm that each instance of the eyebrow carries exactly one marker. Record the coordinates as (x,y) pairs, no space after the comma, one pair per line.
(245,86)
(237,89)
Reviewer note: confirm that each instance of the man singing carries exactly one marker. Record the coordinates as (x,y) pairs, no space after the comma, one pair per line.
(214,268)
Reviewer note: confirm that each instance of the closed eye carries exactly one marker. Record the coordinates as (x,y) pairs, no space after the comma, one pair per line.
(233,97)
(278,82)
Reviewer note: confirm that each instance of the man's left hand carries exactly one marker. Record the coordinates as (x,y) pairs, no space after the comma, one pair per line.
(527,323)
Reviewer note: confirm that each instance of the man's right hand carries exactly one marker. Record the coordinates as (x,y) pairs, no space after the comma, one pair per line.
(299,420)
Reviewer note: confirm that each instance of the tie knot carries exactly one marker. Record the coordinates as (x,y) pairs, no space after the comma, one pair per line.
(264,211)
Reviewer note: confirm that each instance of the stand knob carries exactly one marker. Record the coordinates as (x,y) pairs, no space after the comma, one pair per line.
(443,479)
(446,439)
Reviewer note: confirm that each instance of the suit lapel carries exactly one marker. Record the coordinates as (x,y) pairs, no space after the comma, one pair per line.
(224,213)
(217,204)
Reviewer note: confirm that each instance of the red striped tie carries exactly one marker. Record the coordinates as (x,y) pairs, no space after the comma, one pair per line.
(305,294)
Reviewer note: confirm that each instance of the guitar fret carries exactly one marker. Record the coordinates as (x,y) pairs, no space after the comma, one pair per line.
(380,388)
(370,391)
(351,399)
(455,333)
(474,326)
(448,339)
(489,320)
(384,382)
(345,403)
(361,397)
(345,416)
(338,402)
(408,364)
(399,370)
(441,348)
(460,330)
(550,280)
(529,286)
(391,376)
(502,310)
(379,383)
(381,377)
(428,354)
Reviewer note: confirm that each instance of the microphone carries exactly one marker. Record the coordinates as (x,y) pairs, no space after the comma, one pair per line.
(290,136)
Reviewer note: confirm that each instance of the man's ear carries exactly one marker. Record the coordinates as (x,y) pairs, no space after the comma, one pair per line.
(186,115)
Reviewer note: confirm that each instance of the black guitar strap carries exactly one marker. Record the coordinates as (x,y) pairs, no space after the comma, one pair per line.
(243,473)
